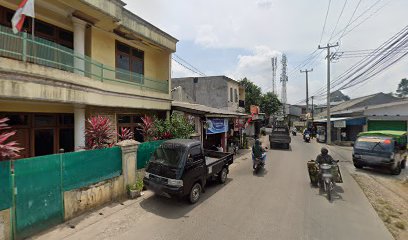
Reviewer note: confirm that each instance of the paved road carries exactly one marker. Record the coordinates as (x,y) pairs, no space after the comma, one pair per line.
(277,204)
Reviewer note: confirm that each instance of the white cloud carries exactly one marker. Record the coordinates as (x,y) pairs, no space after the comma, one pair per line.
(267,4)
(256,66)
(206,36)
(291,26)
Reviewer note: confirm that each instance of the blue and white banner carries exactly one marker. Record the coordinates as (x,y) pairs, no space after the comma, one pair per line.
(217,125)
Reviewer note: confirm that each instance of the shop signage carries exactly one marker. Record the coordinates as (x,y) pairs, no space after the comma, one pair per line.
(340,124)
(217,125)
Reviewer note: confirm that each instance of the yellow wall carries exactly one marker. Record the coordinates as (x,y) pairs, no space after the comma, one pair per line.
(156,62)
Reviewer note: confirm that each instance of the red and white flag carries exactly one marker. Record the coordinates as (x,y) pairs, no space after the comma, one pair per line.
(26,8)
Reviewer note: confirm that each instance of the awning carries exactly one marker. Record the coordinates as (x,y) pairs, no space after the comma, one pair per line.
(205,110)
(351,121)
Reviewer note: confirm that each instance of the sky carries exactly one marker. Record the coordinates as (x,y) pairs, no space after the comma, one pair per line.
(238,38)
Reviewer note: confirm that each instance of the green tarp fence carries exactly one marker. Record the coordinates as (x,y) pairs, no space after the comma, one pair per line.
(5,185)
(38,194)
(145,151)
(84,168)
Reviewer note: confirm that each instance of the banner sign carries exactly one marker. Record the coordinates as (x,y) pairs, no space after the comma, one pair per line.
(340,124)
(217,125)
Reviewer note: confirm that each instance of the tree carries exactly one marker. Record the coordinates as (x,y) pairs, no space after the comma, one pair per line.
(402,90)
(270,103)
(253,94)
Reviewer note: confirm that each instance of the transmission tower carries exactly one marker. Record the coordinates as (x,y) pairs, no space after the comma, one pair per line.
(284,79)
(274,68)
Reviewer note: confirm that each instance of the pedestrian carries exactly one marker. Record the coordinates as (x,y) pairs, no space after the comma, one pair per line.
(220,149)
(343,136)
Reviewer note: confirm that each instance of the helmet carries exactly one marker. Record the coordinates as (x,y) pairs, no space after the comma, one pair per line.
(324,151)
(257,142)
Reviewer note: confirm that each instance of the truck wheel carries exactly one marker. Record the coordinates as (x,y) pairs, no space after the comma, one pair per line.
(396,170)
(222,176)
(195,193)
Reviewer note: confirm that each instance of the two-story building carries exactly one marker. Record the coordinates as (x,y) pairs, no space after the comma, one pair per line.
(84,58)
(214,91)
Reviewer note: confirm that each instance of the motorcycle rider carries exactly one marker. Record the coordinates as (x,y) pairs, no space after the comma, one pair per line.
(324,157)
(258,152)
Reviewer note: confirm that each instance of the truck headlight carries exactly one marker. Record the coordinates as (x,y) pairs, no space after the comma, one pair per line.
(175,183)
(147,175)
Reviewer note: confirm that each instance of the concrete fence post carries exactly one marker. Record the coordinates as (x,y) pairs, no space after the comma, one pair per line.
(129,156)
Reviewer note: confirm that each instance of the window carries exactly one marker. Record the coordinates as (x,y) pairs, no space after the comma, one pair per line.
(196,153)
(132,122)
(231,97)
(236,95)
(131,60)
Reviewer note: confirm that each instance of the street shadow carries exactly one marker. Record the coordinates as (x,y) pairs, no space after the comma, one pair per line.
(261,173)
(336,193)
(175,208)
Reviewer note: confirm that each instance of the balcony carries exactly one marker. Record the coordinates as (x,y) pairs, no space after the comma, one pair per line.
(24,47)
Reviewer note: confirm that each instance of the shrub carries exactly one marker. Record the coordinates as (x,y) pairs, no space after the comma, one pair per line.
(8,150)
(98,133)
(125,134)
(157,129)
(138,186)
(147,127)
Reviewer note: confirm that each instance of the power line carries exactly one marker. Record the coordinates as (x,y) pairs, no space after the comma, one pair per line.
(188,68)
(349,22)
(338,20)
(189,65)
(325,20)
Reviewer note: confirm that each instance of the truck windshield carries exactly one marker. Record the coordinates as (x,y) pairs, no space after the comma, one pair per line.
(168,155)
(380,144)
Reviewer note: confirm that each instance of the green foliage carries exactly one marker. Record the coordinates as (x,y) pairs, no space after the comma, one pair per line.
(253,94)
(157,129)
(269,103)
(137,186)
(402,90)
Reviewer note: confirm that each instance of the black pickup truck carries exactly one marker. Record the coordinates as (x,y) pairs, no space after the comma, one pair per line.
(181,168)
(280,136)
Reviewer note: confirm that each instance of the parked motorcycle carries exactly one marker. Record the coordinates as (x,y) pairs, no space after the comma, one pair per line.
(307,138)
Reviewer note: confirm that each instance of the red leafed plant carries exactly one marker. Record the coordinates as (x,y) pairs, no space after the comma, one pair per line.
(8,150)
(147,128)
(125,134)
(98,133)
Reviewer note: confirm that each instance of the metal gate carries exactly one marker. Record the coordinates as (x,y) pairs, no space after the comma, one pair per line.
(39,202)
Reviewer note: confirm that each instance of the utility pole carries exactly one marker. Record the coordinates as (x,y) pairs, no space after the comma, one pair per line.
(328,57)
(284,79)
(307,87)
(312,109)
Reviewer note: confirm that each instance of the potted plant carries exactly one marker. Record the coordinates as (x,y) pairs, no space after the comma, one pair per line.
(135,189)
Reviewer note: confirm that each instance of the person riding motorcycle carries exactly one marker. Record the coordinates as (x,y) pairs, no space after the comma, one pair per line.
(258,151)
(322,158)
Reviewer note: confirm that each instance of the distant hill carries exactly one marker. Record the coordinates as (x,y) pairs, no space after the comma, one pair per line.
(338,96)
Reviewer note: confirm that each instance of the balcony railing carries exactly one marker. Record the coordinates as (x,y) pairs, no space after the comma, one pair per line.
(24,47)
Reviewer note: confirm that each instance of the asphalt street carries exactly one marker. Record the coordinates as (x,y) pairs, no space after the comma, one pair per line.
(279,203)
